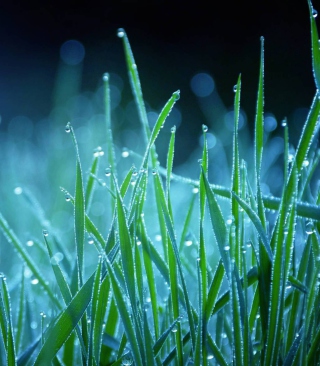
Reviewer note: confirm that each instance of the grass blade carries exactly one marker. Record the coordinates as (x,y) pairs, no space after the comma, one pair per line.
(314,45)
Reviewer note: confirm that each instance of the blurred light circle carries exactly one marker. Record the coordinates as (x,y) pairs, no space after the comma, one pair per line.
(72,52)
(202,85)
(211,140)
(229,120)
(270,123)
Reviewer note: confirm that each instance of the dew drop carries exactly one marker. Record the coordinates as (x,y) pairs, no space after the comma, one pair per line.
(195,190)
(226,248)
(105,77)
(17,190)
(67,197)
(30,243)
(68,127)
(309,228)
(223,335)
(305,163)
(125,153)
(174,330)
(120,33)
(98,152)
(210,357)
(138,242)
(90,240)
(159,238)
(34,281)
(154,171)
(134,172)
(188,243)
(204,128)
(173,129)
(45,232)
(314,13)
(284,123)
(235,88)
(107,172)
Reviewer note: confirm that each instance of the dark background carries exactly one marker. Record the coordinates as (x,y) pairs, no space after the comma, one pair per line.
(171,42)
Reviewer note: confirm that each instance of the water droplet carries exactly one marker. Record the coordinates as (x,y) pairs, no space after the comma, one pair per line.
(309,228)
(226,248)
(148,299)
(34,281)
(284,123)
(134,66)
(107,172)
(30,243)
(45,232)
(223,335)
(33,325)
(125,153)
(67,197)
(134,172)
(235,88)
(173,129)
(98,152)
(204,128)
(314,13)
(138,242)
(290,158)
(305,163)
(158,237)
(210,357)
(89,321)
(200,161)
(17,190)
(195,190)
(90,240)
(154,171)
(174,330)
(105,77)
(188,242)
(68,127)
(120,33)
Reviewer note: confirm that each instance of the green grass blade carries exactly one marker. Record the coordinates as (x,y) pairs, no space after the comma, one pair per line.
(125,316)
(91,181)
(161,340)
(314,45)
(12,239)
(159,123)
(21,313)
(257,224)
(10,344)
(170,156)
(150,277)
(135,83)
(218,224)
(172,236)
(236,249)
(93,357)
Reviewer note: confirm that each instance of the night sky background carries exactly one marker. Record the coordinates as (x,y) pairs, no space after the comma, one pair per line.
(171,42)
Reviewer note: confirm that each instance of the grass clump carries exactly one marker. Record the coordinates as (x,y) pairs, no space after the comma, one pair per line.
(249,296)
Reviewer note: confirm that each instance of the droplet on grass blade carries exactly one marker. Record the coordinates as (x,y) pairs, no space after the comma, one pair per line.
(68,127)
(210,357)
(67,197)
(154,171)
(314,13)
(90,240)
(98,152)
(309,228)
(107,172)
(34,281)
(45,232)
(204,128)
(173,129)
(120,33)
(105,76)
(235,88)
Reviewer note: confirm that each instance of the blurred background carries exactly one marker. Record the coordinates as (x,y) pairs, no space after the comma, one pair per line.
(53,56)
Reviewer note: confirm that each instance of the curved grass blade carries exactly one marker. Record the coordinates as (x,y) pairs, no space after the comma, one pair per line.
(12,239)
(294,348)
(159,123)
(315,45)
(27,353)
(135,83)
(161,340)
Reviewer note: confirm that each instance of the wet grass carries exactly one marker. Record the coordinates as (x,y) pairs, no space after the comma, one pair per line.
(247,294)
